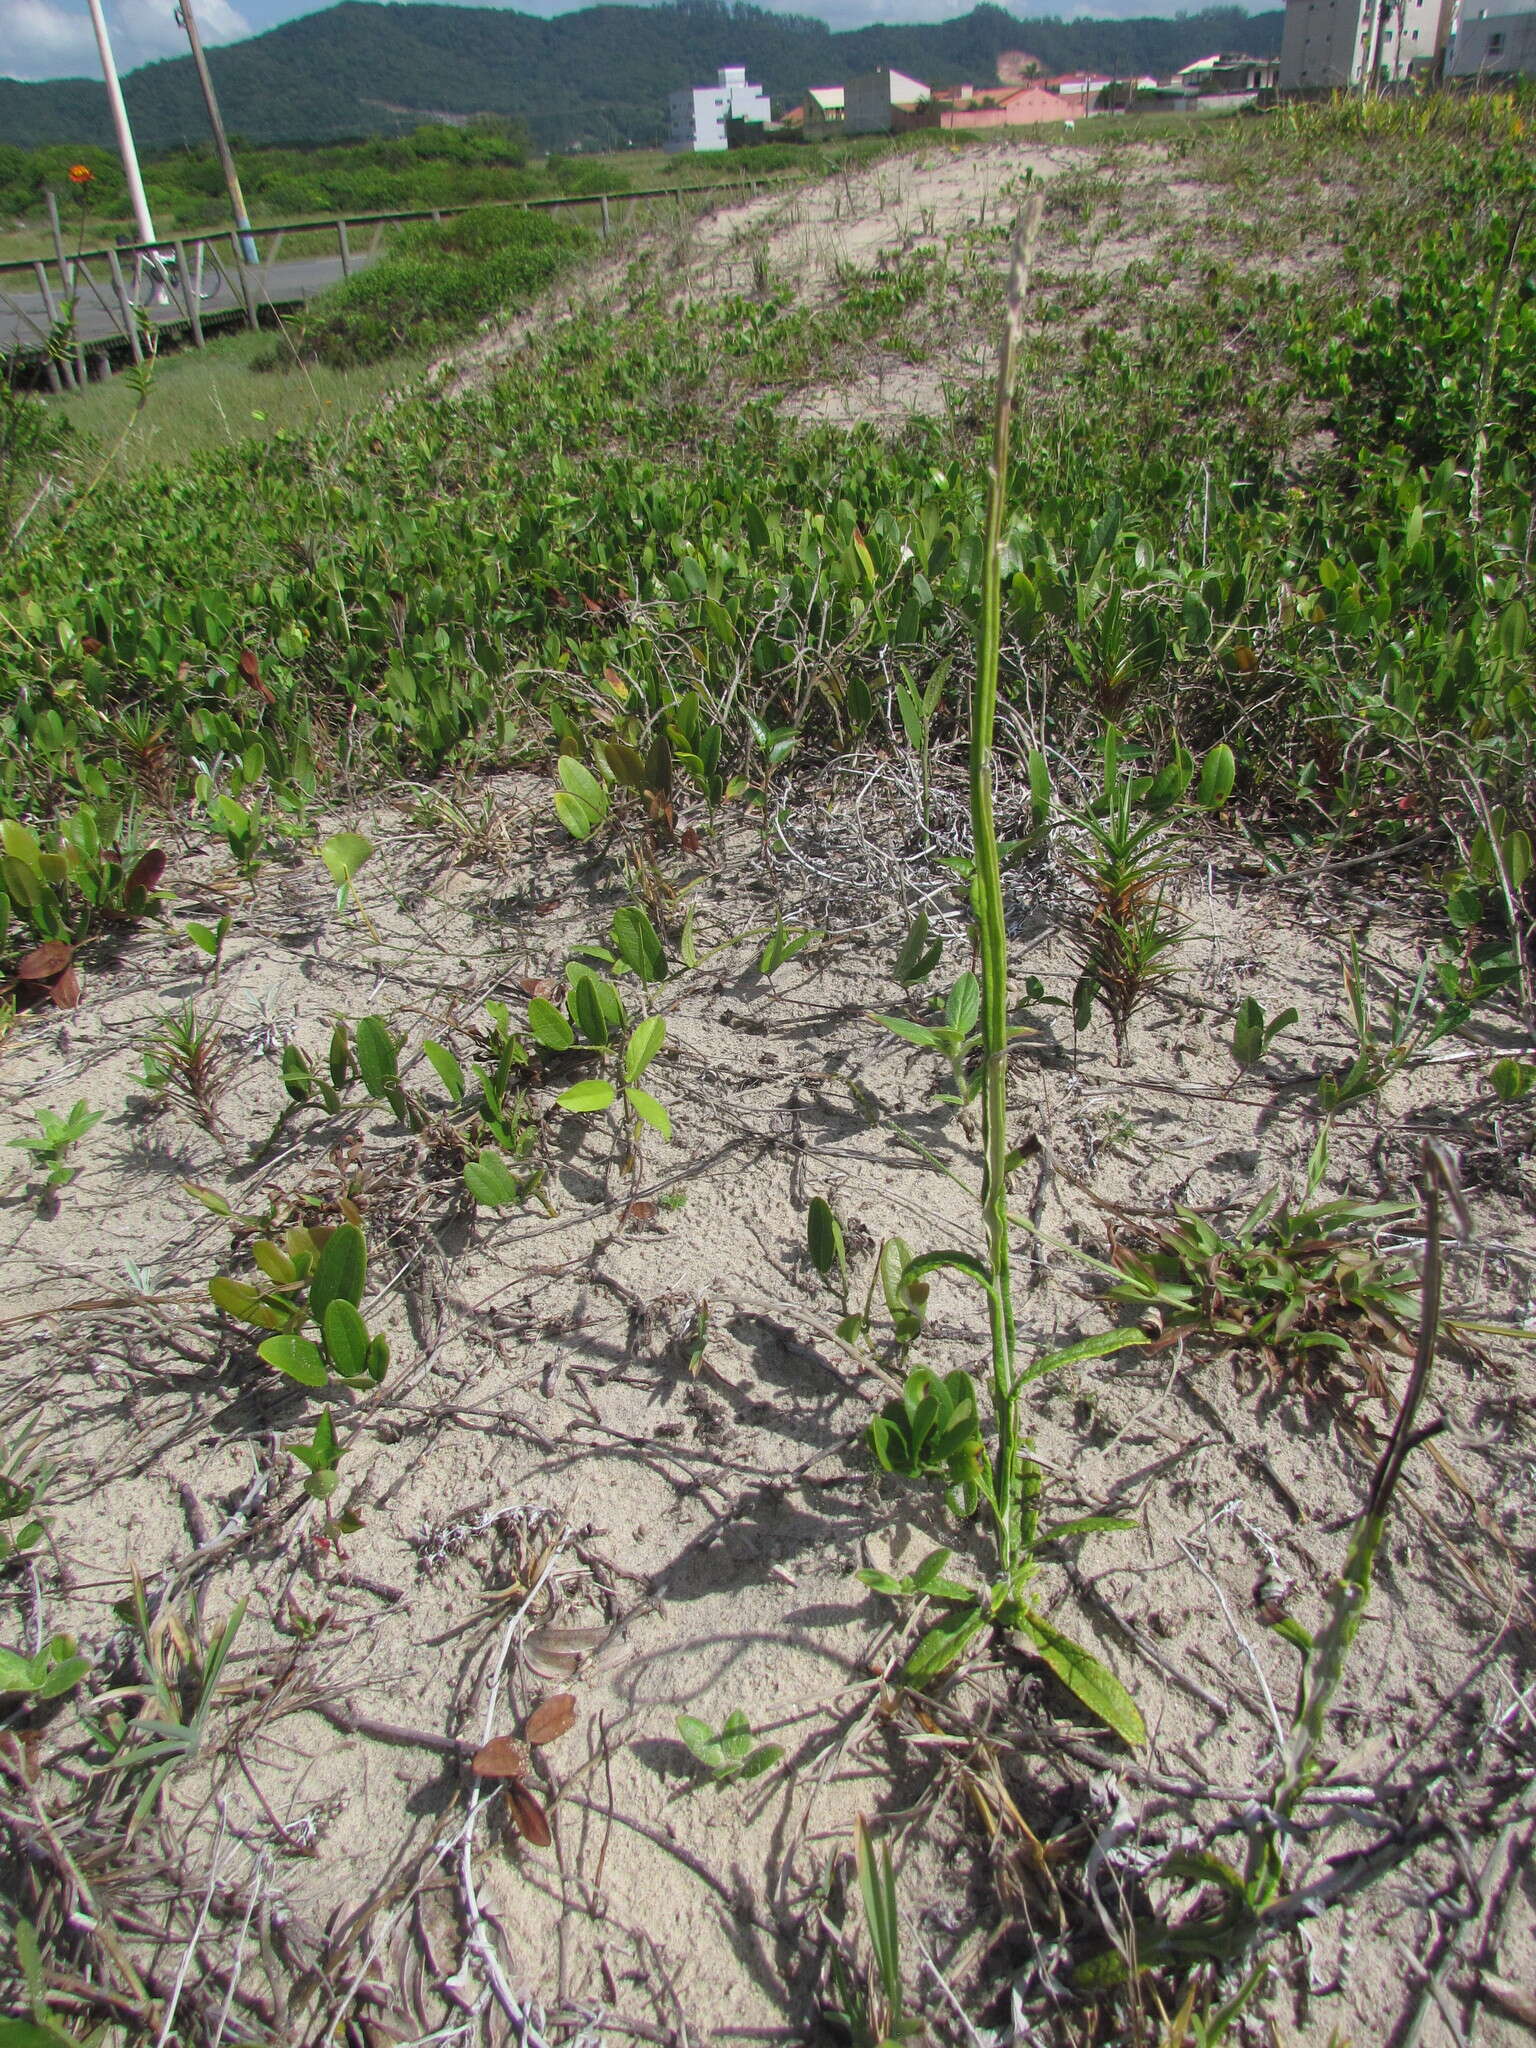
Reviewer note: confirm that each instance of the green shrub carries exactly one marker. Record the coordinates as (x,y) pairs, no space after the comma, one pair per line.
(31,437)
(438,282)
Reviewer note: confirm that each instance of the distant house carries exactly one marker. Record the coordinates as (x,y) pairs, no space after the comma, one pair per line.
(1006,106)
(1495,41)
(1087,92)
(697,115)
(1226,72)
(871,103)
(823,112)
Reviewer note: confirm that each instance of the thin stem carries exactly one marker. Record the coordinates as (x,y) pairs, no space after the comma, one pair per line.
(992,939)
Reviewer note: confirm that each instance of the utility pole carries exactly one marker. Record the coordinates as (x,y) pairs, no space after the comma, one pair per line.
(129,155)
(188,21)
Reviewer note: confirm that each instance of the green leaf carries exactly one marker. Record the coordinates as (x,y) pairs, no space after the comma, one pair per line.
(491,1183)
(377,1057)
(1083,1676)
(549,1026)
(1104,1345)
(297,1357)
(636,943)
(964,1004)
(341,1271)
(574,815)
(645,1041)
(646,1107)
(1217,777)
(823,1237)
(26,2034)
(578,781)
(344,853)
(915,1034)
(1517,858)
(943,1643)
(446,1068)
(246,1304)
(587,1097)
(346,1340)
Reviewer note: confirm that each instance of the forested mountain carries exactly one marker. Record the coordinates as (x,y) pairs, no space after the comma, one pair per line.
(596,79)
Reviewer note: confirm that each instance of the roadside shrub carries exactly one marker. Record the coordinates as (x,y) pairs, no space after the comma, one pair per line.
(31,437)
(577,176)
(437,283)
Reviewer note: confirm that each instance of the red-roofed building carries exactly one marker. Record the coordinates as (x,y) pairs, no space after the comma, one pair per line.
(1000,106)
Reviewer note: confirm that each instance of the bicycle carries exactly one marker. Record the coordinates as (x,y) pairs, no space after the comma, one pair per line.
(157,282)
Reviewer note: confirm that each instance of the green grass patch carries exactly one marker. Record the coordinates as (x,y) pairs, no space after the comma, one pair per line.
(209,399)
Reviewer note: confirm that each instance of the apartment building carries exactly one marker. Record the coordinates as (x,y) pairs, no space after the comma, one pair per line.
(1335,44)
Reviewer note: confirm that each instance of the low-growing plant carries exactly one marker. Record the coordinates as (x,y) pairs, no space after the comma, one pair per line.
(55,1138)
(57,1669)
(191,1061)
(1300,1282)
(785,943)
(594,1019)
(1237,1909)
(209,940)
(905,1300)
(61,886)
(24,1482)
(176,1697)
(730,1753)
(1253,1033)
(315,1276)
(1125,854)
(1389,1041)
(871,2004)
(344,854)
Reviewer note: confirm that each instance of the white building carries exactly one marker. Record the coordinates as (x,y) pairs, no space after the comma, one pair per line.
(870,102)
(1494,41)
(1334,44)
(698,114)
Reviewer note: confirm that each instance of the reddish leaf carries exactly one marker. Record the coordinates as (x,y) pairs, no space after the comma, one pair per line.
(89,644)
(529,1818)
(532,985)
(501,1757)
(146,872)
(638,1212)
(65,992)
(44,961)
(689,841)
(250,669)
(592,605)
(550,1719)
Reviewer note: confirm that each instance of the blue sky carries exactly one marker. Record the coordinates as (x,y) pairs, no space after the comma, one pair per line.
(53,39)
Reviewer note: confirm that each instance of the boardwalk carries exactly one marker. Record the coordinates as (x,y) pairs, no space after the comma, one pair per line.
(98,320)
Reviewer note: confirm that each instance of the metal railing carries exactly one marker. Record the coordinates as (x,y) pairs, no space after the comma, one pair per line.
(115,291)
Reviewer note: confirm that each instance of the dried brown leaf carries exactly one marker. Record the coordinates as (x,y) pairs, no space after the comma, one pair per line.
(44,961)
(529,1818)
(65,991)
(556,1653)
(502,1757)
(550,1719)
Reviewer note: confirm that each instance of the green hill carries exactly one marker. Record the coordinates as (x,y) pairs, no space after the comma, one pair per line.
(597,79)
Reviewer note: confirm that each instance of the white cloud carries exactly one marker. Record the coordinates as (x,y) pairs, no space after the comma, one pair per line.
(54,39)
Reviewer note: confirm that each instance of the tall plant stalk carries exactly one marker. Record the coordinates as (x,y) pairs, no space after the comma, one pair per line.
(987,905)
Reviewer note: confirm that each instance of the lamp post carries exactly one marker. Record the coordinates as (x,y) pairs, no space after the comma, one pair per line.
(129,155)
(188,21)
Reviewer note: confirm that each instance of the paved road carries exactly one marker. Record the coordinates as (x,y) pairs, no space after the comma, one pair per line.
(24,316)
